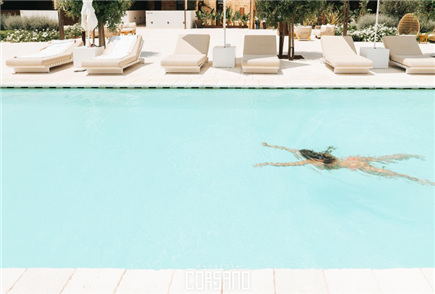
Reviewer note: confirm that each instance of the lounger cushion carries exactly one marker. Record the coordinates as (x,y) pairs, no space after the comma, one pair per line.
(260,61)
(37,61)
(348,61)
(121,62)
(44,61)
(184,60)
(414,60)
(108,62)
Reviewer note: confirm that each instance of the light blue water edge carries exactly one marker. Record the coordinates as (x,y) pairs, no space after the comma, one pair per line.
(165,179)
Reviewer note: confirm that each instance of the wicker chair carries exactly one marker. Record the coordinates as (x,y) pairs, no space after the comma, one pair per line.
(303,32)
(409,25)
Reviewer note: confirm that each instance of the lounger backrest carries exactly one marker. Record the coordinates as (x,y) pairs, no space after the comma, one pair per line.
(402,45)
(260,45)
(77,43)
(337,45)
(131,51)
(192,44)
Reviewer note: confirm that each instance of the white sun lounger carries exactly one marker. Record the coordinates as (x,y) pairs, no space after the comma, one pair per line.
(406,53)
(339,52)
(190,54)
(56,53)
(260,54)
(120,53)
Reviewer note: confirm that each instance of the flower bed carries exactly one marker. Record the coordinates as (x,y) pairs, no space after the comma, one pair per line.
(367,34)
(43,35)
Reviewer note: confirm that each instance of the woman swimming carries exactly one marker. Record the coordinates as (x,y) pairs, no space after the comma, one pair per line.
(325,160)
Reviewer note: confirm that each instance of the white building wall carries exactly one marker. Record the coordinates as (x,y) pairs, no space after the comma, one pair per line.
(49,13)
(169,19)
(137,16)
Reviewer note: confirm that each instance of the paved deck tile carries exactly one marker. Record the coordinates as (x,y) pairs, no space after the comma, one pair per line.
(42,281)
(351,281)
(145,281)
(261,282)
(192,281)
(9,276)
(95,281)
(300,281)
(429,274)
(402,281)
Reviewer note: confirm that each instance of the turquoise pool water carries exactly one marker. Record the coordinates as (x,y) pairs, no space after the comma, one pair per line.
(165,179)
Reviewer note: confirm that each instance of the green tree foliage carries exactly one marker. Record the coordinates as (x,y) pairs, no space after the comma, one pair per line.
(399,8)
(284,14)
(426,9)
(109,13)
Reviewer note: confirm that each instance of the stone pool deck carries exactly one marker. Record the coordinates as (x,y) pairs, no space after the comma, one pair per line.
(159,43)
(267,281)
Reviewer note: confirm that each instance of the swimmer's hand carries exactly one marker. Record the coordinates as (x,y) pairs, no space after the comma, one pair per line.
(260,164)
(265,144)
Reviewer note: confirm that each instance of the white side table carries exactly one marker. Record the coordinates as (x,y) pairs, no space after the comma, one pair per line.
(379,56)
(224,56)
(86,53)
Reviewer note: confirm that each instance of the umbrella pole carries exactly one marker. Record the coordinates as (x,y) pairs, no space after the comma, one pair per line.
(225,25)
(376,25)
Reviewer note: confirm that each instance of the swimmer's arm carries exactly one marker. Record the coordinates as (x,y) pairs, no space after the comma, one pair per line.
(299,163)
(294,151)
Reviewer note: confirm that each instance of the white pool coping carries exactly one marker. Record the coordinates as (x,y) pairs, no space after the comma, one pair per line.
(308,73)
(169,281)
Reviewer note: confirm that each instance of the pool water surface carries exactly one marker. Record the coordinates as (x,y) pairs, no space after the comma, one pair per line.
(165,179)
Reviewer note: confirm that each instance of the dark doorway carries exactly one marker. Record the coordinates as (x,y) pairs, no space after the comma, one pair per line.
(157,5)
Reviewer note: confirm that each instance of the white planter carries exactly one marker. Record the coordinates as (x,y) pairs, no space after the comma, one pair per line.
(86,53)
(224,56)
(379,56)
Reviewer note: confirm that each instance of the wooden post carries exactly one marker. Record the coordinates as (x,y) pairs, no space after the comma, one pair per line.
(185,14)
(251,17)
(291,41)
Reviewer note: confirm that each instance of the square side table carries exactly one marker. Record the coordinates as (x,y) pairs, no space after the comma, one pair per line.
(224,56)
(379,56)
(86,53)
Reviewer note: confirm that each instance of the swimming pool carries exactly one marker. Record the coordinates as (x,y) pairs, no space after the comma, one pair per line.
(165,179)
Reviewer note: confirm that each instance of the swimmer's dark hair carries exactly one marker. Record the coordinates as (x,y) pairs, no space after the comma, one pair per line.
(324,156)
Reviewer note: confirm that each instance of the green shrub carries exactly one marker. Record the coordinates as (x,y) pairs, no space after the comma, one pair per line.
(370,20)
(30,23)
(74,31)
(2,20)
(427,25)
(398,8)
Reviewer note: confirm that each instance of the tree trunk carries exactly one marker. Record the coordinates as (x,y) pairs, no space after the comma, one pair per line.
(101,38)
(291,40)
(345,17)
(251,16)
(282,31)
(61,29)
